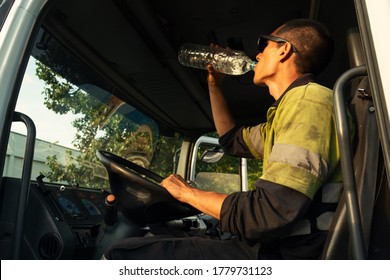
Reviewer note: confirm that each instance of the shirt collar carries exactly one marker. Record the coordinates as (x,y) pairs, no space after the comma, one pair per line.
(300,81)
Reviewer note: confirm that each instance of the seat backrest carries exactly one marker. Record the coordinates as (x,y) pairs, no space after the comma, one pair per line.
(366,152)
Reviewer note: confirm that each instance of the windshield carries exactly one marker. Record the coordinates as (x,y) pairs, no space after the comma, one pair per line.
(77,113)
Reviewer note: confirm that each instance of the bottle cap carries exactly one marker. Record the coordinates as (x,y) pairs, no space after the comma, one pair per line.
(253,65)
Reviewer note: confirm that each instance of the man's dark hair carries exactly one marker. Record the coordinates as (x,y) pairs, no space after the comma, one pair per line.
(313,41)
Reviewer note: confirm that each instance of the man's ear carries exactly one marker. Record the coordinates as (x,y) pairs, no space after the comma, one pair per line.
(285,52)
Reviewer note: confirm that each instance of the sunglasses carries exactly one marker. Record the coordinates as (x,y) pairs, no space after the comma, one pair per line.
(262,42)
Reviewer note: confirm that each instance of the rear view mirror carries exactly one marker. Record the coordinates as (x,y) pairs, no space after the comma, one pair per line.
(212,155)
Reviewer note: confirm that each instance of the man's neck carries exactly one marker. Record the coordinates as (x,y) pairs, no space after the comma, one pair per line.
(300,81)
(278,85)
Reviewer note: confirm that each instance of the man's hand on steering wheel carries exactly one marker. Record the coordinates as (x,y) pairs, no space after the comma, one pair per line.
(177,187)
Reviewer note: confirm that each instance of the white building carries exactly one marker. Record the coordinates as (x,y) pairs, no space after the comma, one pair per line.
(15,154)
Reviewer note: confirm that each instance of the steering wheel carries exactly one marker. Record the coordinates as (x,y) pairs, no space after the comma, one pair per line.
(140,197)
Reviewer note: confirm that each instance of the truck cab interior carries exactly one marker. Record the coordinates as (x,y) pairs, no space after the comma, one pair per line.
(94,102)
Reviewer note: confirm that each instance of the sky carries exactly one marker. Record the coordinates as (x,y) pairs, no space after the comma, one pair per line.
(50,126)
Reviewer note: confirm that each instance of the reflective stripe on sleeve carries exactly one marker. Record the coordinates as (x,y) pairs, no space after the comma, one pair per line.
(254,141)
(301,158)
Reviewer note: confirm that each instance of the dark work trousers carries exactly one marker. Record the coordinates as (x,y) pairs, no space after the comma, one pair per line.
(181,248)
(159,247)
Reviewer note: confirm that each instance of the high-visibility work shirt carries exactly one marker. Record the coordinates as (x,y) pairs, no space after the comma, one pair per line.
(298,143)
(299,148)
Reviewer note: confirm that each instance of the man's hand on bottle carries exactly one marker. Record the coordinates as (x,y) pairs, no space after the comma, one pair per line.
(214,78)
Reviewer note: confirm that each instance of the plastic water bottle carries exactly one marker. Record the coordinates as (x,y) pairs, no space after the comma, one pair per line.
(231,62)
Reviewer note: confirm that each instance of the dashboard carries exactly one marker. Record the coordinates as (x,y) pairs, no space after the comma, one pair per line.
(63,222)
(79,204)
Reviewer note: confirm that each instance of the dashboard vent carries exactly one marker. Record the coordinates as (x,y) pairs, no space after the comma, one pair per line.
(50,246)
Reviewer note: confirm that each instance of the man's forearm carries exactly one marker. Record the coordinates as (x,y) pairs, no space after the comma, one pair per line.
(221,114)
(207,202)
(223,119)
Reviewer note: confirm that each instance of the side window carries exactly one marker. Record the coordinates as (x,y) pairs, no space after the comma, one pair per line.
(214,170)
(54,131)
